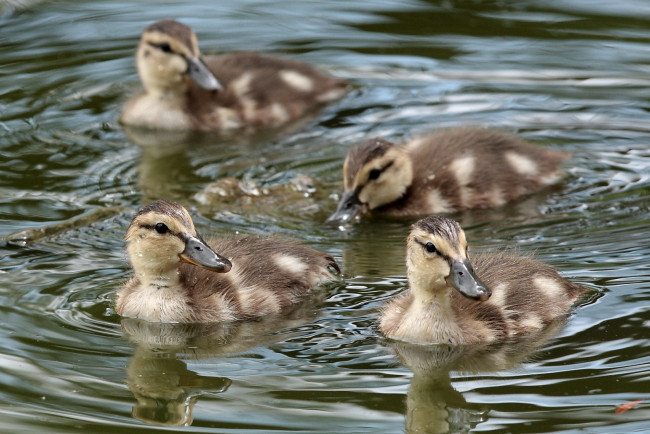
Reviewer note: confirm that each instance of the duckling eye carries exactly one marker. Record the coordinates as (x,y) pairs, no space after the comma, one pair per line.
(161,228)
(374,174)
(430,247)
(165,47)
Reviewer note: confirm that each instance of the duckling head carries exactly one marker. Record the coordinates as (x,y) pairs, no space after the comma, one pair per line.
(437,258)
(167,55)
(375,173)
(161,236)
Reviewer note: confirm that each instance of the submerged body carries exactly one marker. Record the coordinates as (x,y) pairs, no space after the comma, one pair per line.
(455,170)
(184,91)
(250,277)
(452,301)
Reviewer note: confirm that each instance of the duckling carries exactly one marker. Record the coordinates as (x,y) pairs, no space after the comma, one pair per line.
(183,91)
(451,302)
(181,278)
(454,170)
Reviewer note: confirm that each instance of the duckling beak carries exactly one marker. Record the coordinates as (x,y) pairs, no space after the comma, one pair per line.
(463,278)
(201,74)
(348,208)
(199,253)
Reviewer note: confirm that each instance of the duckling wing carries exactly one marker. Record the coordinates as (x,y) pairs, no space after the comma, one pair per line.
(478,168)
(527,295)
(268,274)
(268,90)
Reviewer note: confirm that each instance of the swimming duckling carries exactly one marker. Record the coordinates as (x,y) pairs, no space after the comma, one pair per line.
(185,92)
(443,172)
(180,278)
(450,302)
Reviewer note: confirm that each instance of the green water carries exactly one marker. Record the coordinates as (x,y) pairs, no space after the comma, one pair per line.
(572,75)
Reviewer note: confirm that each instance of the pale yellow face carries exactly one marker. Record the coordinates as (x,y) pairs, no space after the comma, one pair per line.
(161,61)
(428,258)
(384,179)
(156,241)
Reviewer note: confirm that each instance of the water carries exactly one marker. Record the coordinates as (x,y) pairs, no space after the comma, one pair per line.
(572,75)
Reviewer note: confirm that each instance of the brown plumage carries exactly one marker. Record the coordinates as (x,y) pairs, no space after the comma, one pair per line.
(183,91)
(444,172)
(180,278)
(452,301)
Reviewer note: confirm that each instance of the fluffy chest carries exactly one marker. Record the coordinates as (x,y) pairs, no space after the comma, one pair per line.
(430,322)
(157,302)
(154,112)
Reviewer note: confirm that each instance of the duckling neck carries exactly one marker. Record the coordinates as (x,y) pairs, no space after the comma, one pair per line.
(171,94)
(156,271)
(159,280)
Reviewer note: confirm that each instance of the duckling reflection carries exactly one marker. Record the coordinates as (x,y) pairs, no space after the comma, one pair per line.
(168,160)
(157,374)
(165,389)
(432,403)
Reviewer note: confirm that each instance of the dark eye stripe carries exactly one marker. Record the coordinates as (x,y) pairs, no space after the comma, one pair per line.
(374,173)
(170,232)
(424,245)
(163,46)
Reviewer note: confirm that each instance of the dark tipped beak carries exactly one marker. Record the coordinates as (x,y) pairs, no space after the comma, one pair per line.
(348,208)
(198,253)
(201,74)
(463,278)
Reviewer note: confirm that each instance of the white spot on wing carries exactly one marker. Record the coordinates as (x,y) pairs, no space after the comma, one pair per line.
(522,164)
(499,293)
(415,143)
(463,168)
(531,322)
(551,178)
(297,80)
(438,204)
(496,197)
(279,113)
(242,84)
(549,287)
(290,263)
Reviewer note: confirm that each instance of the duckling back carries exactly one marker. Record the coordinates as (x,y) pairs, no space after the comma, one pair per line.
(474,168)
(263,91)
(268,275)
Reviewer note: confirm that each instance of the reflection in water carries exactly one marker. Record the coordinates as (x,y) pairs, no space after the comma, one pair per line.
(432,403)
(166,165)
(165,389)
